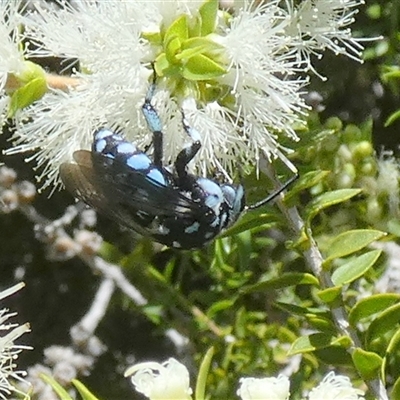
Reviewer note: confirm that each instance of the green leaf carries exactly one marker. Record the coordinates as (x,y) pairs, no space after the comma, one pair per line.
(367,363)
(386,321)
(208,15)
(201,67)
(220,306)
(32,86)
(394,343)
(178,29)
(371,305)
(306,181)
(172,48)
(303,311)
(306,344)
(393,73)
(85,393)
(334,355)
(391,351)
(395,394)
(329,199)
(288,279)
(199,45)
(355,268)
(60,391)
(154,313)
(26,95)
(322,324)
(247,222)
(392,118)
(351,241)
(203,373)
(153,37)
(330,294)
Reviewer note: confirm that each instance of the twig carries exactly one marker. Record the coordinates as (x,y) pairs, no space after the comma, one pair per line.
(314,260)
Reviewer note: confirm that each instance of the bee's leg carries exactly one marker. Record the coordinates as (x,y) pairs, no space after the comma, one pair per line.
(187,154)
(154,123)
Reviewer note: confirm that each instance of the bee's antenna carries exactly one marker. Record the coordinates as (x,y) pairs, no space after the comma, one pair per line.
(274,194)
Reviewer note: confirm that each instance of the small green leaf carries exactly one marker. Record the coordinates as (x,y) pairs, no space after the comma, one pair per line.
(355,268)
(60,391)
(306,344)
(329,199)
(306,181)
(334,355)
(394,343)
(178,29)
(203,373)
(393,73)
(154,313)
(85,393)
(161,63)
(371,305)
(201,67)
(330,294)
(367,363)
(172,48)
(26,95)
(392,350)
(395,394)
(201,45)
(288,279)
(208,14)
(392,118)
(248,222)
(153,37)
(322,324)
(303,311)
(351,241)
(220,306)
(33,86)
(386,321)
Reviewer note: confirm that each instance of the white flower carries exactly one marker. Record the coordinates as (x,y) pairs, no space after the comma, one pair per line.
(335,387)
(240,76)
(166,381)
(11,56)
(264,388)
(388,181)
(8,350)
(317,25)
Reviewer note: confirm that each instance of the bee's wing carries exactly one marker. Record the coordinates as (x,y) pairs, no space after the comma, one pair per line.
(134,188)
(118,190)
(80,180)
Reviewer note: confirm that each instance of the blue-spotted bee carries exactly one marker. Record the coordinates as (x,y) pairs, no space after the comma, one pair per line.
(175,208)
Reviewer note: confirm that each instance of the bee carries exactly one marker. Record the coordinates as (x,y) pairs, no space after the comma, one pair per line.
(178,209)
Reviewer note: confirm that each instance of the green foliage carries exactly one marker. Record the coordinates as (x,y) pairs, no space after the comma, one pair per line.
(188,55)
(351,241)
(31,86)
(202,376)
(62,394)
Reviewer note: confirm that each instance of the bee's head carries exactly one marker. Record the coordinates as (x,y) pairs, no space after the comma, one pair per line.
(235,199)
